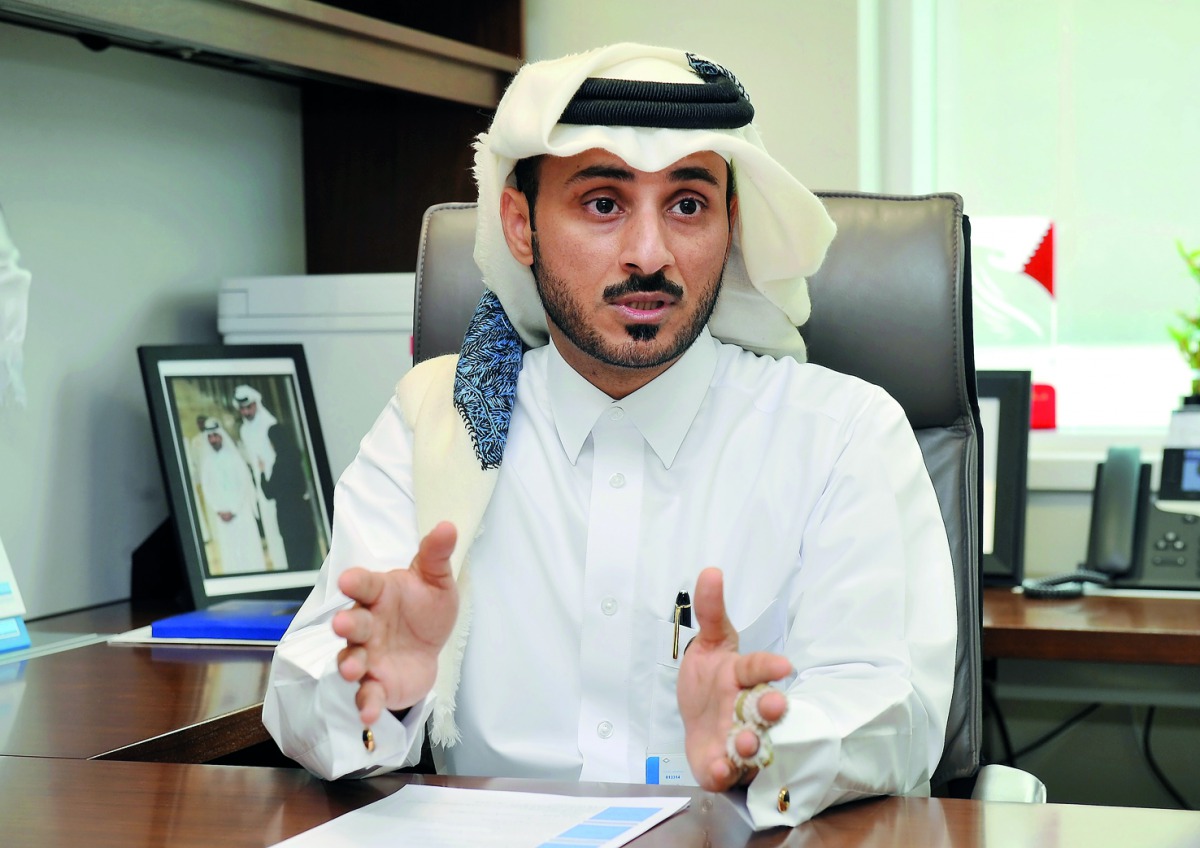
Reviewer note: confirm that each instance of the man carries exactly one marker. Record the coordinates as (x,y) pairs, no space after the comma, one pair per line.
(254,432)
(561,500)
(289,488)
(229,496)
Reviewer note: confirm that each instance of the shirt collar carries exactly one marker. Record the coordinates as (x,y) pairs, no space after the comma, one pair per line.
(662,410)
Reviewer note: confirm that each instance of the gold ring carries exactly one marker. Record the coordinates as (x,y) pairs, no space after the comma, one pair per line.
(737,707)
(740,705)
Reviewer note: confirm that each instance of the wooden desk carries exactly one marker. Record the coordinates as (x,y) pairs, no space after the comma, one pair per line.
(1099,628)
(103,804)
(162,703)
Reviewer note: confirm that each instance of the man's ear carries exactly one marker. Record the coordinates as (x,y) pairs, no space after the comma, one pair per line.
(733,223)
(518,229)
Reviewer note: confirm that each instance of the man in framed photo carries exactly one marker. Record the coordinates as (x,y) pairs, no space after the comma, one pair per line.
(254,430)
(229,494)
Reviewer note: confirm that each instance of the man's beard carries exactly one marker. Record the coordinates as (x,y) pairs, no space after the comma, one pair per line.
(568,316)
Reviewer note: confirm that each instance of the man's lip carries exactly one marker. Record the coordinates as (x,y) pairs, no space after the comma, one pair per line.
(633,299)
(646,308)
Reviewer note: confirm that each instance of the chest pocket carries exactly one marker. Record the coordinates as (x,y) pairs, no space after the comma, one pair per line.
(765,633)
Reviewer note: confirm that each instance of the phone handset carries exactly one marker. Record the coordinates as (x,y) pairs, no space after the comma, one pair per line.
(1121,495)
(1114,536)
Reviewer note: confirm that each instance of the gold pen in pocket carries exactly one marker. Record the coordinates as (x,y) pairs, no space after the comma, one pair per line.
(683,618)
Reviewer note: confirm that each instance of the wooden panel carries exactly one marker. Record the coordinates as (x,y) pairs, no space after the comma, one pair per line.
(284,38)
(492,24)
(1102,628)
(374,161)
(51,803)
(185,704)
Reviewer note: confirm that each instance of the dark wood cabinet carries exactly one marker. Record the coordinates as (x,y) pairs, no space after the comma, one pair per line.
(374,160)
(491,24)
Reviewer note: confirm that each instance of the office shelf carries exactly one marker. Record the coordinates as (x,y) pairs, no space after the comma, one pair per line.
(297,39)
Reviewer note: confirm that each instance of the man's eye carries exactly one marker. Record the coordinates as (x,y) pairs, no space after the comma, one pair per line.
(604,205)
(688,206)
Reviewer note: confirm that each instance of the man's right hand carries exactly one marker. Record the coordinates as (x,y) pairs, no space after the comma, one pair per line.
(398,625)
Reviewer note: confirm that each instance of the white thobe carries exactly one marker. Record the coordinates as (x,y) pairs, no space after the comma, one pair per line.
(805,487)
(228,487)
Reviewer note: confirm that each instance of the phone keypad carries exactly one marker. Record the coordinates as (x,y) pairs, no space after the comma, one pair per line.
(1170,548)
(1170,551)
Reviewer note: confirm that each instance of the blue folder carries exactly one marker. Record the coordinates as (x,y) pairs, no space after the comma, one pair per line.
(238,619)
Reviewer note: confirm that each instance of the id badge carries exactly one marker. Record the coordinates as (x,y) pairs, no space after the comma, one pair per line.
(669,770)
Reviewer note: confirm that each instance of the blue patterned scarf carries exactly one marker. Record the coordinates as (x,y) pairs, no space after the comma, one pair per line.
(485,381)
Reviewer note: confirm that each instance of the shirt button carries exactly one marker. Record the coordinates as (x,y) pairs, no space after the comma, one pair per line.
(616,413)
(608,606)
(616,481)
(604,729)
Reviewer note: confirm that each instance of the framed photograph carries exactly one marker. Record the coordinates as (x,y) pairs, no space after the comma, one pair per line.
(244,465)
(1004,398)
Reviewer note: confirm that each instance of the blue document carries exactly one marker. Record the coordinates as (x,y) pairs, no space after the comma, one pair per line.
(13,635)
(239,619)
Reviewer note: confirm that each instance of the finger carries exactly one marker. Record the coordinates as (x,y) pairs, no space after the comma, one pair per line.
(353,625)
(760,667)
(721,774)
(709,606)
(352,663)
(361,585)
(772,706)
(432,561)
(370,700)
(746,743)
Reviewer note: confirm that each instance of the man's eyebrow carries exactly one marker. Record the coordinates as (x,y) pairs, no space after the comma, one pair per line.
(613,172)
(601,172)
(695,172)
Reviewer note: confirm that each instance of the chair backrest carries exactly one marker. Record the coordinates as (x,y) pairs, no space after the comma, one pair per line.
(891,304)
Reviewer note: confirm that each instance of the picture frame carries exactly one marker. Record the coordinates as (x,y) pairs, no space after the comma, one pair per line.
(1004,408)
(244,467)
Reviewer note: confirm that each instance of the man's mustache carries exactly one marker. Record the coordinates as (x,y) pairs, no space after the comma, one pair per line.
(642,284)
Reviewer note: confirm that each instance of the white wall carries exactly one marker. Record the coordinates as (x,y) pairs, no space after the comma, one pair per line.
(797,60)
(131,185)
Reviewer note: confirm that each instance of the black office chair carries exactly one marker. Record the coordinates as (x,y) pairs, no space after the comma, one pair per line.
(891,304)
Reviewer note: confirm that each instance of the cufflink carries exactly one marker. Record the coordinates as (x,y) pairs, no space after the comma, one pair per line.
(785,800)
(368,739)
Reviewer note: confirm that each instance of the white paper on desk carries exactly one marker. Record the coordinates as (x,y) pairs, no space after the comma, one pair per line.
(144,636)
(443,817)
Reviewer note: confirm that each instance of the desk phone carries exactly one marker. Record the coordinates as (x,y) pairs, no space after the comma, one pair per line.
(1136,540)
(1170,549)
(1142,541)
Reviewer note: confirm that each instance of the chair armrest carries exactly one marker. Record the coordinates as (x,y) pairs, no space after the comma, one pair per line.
(1004,783)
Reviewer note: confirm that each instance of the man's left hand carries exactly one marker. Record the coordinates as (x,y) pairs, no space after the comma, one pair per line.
(711,675)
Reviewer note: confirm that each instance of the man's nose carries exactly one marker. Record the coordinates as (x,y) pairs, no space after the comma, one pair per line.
(645,248)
